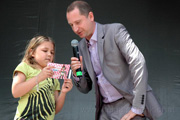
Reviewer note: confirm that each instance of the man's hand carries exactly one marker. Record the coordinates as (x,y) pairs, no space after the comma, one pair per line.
(130,115)
(75,64)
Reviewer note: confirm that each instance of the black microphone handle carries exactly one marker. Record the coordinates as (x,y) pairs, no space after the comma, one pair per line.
(76,54)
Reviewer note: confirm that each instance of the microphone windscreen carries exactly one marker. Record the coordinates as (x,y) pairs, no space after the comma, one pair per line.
(74,43)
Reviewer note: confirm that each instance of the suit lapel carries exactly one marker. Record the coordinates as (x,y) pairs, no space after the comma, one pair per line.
(100,43)
(87,58)
(91,72)
(100,37)
(88,63)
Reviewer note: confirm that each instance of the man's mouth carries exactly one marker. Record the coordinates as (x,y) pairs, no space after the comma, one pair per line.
(79,33)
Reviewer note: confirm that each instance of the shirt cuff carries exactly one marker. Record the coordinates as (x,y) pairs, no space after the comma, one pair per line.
(137,111)
(75,78)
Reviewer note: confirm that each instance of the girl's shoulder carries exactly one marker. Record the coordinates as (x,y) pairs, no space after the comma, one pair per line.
(23,65)
(25,68)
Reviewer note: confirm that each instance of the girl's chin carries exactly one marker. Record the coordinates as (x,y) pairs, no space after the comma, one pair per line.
(48,61)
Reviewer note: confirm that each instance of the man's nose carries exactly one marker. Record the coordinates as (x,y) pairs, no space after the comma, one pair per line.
(76,28)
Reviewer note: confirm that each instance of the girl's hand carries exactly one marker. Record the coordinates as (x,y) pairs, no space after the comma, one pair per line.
(46,72)
(67,85)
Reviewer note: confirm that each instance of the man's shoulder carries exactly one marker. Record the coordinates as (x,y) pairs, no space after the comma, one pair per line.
(111,25)
(82,42)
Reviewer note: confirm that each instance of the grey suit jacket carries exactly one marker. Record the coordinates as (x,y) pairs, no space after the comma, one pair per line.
(123,65)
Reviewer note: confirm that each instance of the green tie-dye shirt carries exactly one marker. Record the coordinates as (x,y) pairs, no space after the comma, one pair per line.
(37,105)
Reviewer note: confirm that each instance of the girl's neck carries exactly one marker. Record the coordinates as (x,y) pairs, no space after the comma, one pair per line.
(38,66)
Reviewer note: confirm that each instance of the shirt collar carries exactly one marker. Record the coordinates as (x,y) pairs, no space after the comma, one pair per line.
(93,38)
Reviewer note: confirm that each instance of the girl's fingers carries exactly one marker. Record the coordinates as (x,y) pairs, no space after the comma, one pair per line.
(69,84)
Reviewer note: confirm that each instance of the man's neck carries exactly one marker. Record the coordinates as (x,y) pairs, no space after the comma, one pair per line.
(93,30)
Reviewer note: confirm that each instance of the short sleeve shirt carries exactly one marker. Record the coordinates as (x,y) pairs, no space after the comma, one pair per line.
(37,105)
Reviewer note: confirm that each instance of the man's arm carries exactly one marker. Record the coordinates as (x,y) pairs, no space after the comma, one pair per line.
(84,83)
(137,67)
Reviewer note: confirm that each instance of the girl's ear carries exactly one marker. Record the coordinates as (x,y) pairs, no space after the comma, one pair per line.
(31,52)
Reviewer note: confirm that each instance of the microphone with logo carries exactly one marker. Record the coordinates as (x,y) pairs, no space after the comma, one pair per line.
(74,44)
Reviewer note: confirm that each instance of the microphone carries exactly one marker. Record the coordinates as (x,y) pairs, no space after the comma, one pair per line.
(74,44)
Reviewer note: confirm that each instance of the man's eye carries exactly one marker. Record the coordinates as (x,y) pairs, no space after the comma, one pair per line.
(78,22)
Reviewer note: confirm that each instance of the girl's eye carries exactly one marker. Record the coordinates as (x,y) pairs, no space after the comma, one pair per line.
(52,53)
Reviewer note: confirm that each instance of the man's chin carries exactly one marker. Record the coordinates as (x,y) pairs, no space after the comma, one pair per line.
(81,36)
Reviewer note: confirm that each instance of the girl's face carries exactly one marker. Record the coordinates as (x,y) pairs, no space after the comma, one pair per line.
(44,54)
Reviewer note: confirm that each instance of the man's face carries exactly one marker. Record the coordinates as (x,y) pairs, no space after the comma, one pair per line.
(81,25)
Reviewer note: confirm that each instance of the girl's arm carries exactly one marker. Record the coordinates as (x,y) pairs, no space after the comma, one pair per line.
(20,86)
(60,98)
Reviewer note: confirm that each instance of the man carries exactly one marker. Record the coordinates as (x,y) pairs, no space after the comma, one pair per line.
(113,63)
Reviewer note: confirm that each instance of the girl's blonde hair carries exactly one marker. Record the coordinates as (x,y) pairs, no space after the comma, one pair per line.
(31,47)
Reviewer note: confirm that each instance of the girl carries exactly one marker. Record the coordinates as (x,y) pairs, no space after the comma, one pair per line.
(32,82)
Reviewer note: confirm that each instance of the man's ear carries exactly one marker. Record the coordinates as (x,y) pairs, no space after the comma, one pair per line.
(91,16)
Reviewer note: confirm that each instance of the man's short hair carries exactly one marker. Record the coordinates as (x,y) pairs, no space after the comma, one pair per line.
(84,7)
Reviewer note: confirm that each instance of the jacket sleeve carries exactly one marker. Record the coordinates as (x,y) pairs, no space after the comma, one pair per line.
(84,83)
(136,63)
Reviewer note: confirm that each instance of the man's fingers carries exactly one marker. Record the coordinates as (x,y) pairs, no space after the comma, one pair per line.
(81,60)
(124,117)
(128,116)
(74,59)
(75,65)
